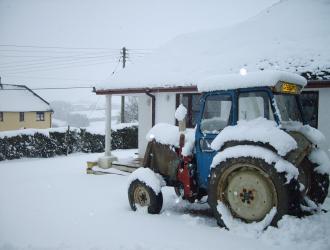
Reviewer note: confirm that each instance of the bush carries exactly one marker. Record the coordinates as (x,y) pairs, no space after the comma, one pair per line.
(39,145)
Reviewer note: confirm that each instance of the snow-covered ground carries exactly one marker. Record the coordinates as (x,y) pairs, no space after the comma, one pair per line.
(53,204)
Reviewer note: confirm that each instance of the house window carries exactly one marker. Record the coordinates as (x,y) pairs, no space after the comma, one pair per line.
(1,116)
(21,116)
(40,116)
(191,102)
(310,103)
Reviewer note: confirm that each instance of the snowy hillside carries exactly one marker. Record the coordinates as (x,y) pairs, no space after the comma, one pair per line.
(292,35)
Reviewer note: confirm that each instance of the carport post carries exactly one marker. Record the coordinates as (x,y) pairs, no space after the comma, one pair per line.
(107,159)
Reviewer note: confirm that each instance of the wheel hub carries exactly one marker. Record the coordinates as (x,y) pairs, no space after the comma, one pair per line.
(246,196)
(141,196)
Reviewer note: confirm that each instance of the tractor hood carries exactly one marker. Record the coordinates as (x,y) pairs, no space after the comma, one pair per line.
(303,149)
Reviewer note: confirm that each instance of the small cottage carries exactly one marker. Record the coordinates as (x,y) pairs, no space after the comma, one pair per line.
(21,108)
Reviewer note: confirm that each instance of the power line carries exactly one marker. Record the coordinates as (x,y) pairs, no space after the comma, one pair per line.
(51,63)
(50,78)
(52,88)
(54,47)
(67,48)
(62,66)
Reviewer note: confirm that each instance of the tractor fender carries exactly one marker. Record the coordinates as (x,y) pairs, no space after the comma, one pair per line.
(280,164)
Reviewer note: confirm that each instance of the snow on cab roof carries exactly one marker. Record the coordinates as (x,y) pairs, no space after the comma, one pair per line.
(249,79)
(19,98)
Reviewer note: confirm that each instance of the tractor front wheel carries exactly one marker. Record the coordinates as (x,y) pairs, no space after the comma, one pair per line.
(141,196)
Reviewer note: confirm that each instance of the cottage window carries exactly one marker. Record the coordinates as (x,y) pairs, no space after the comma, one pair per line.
(191,102)
(1,116)
(21,116)
(40,116)
(310,103)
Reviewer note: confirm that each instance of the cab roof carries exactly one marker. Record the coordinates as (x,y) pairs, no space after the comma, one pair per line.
(248,80)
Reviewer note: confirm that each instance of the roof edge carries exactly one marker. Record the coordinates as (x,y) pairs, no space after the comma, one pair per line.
(192,88)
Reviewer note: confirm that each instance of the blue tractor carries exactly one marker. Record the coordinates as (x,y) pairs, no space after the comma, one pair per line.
(251,151)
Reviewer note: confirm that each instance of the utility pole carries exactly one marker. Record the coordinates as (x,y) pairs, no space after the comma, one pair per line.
(122,109)
(124,55)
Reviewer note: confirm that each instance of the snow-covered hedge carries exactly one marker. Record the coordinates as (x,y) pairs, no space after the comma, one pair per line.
(48,143)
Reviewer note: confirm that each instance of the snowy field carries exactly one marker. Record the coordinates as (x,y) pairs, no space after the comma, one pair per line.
(53,204)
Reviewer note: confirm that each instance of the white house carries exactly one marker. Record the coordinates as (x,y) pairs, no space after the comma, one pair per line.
(279,38)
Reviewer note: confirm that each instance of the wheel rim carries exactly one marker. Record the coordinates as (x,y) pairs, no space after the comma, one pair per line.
(141,196)
(248,192)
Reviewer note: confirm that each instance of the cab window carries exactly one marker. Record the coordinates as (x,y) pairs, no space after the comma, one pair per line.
(216,113)
(252,105)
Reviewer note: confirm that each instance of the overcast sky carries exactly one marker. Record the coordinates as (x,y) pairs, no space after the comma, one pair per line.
(83,38)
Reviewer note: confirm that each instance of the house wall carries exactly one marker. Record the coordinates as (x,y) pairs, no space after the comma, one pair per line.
(165,108)
(164,113)
(11,121)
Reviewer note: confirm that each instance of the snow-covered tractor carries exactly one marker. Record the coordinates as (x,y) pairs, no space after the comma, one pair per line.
(251,152)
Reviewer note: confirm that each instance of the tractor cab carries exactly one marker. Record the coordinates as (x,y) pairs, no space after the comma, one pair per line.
(219,109)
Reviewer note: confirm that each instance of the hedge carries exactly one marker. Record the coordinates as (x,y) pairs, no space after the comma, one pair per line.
(41,145)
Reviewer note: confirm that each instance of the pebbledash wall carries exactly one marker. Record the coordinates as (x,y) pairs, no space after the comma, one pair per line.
(11,121)
(166,105)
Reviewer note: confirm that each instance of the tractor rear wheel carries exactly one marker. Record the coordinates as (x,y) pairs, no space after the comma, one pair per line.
(142,196)
(250,188)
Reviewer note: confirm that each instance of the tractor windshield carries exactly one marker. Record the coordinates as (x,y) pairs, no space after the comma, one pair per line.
(288,107)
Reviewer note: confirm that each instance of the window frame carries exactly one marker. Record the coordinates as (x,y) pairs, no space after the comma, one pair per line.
(21,116)
(317,94)
(1,116)
(189,117)
(254,90)
(40,116)
(232,114)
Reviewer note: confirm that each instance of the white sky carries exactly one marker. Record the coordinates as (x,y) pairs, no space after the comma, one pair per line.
(139,24)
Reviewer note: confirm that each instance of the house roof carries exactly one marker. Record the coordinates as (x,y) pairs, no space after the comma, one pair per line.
(19,98)
(279,38)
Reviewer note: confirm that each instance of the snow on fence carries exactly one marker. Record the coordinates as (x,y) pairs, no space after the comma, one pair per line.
(36,143)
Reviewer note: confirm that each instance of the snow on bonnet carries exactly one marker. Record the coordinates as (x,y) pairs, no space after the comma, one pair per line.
(321,158)
(312,134)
